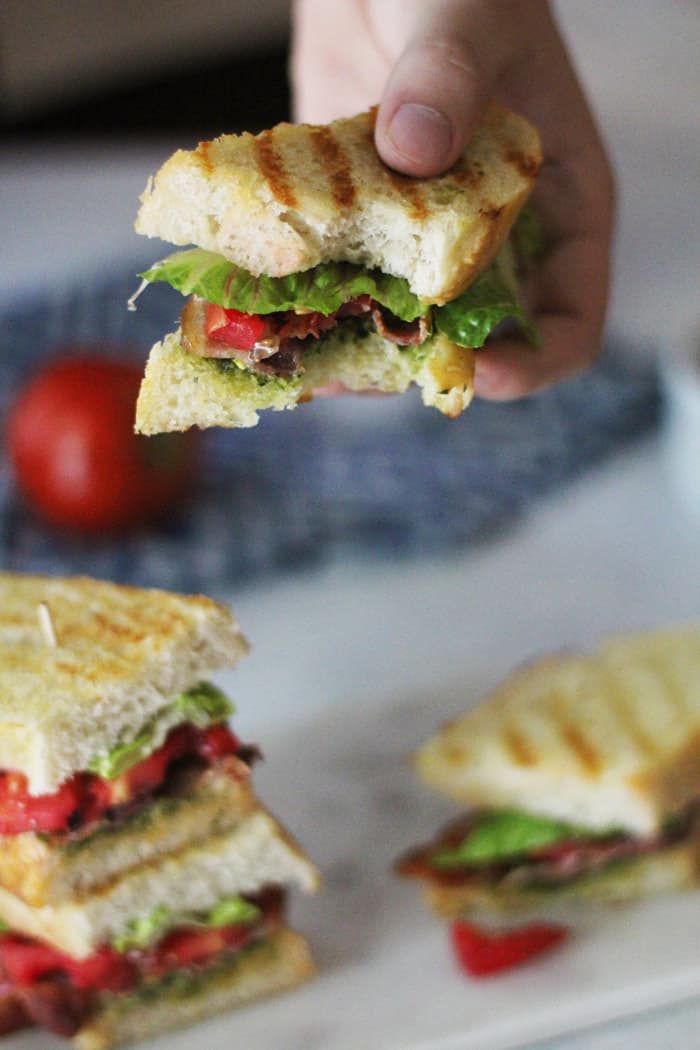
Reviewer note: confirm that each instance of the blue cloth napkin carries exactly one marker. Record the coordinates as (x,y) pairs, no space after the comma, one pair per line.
(387,478)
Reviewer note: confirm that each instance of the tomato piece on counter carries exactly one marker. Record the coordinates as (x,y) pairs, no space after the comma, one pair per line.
(484,952)
(236,329)
(76,457)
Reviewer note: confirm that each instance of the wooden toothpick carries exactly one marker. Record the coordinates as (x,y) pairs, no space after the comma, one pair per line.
(46,625)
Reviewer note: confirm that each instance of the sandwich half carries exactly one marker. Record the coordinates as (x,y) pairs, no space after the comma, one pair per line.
(142,884)
(582,778)
(316,264)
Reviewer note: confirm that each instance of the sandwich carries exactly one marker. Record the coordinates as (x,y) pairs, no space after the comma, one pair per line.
(581,775)
(315,264)
(142,883)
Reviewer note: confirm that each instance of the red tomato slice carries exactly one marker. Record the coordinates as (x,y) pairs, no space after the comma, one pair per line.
(236,329)
(216,741)
(89,796)
(104,969)
(20,811)
(190,945)
(481,952)
(26,961)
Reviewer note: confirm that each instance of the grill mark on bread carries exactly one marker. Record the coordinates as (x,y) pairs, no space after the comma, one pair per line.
(468,176)
(410,190)
(585,752)
(625,711)
(272,168)
(203,154)
(490,212)
(335,164)
(404,185)
(520,748)
(526,165)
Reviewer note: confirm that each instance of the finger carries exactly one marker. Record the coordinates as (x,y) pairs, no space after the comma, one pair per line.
(330,79)
(440,85)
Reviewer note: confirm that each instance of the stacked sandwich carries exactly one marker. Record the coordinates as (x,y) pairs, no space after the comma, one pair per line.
(140,879)
(317,265)
(583,779)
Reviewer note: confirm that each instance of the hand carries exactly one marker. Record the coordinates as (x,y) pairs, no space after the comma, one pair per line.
(435,64)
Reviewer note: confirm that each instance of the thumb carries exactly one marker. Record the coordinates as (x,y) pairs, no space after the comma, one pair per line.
(439,86)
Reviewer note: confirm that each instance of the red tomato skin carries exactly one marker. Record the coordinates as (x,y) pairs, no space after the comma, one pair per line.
(236,329)
(91,795)
(481,953)
(75,455)
(26,961)
(216,741)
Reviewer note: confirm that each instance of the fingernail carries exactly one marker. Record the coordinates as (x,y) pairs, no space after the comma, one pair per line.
(420,133)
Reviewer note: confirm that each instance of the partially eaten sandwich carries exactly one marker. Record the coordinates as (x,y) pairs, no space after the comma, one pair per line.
(582,777)
(315,264)
(141,882)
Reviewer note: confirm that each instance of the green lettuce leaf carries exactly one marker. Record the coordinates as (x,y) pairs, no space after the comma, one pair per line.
(324,288)
(466,320)
(504,834)
(151,928)
(202,705)
(469,319)
(527,238)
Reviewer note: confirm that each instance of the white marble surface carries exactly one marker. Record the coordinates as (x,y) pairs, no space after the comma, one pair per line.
(353,665)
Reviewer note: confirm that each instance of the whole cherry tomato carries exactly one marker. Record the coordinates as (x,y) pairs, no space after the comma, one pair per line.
(74,452)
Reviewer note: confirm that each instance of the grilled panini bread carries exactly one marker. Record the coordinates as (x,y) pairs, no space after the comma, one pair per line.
(277,964)
(606,740)
(352,273)
(299,195)
(583,779)
(122,655)
(255,854)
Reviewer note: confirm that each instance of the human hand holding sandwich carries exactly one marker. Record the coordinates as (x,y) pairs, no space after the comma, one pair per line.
(435,64)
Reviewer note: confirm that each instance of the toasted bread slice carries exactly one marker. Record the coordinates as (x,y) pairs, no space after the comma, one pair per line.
(279,962)
(666,871)
(122,655)
(47,870)
(298,195)
(181,390)
(607,740)
(256,853)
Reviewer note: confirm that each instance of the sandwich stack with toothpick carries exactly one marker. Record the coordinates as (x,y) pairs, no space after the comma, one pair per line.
(142,883)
